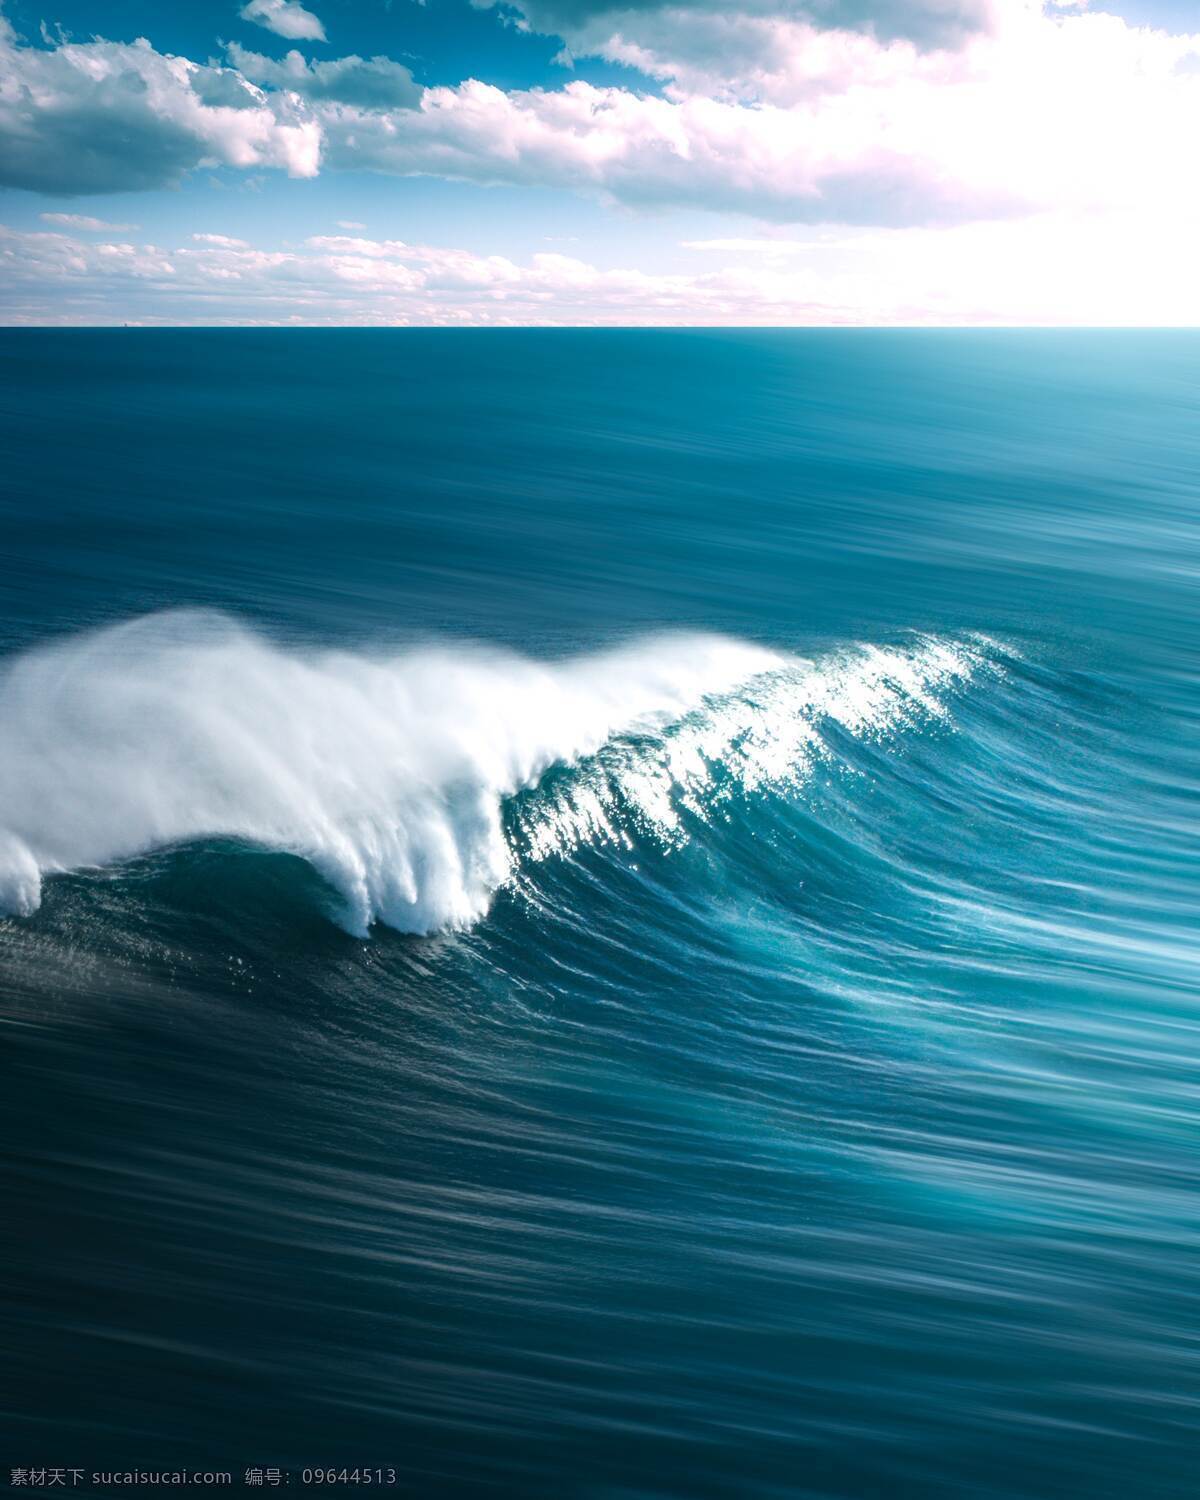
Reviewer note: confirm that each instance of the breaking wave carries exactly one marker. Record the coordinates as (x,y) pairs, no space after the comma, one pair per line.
(416,783)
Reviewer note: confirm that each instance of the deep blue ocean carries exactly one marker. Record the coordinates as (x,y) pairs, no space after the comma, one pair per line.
(603,915)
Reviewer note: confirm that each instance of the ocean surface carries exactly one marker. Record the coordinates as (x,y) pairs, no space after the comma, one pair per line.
(603,915)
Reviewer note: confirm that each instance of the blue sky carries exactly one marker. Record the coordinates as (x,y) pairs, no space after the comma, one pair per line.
(582,161)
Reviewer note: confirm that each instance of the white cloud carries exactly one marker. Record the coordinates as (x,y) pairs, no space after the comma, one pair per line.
(350,224)
(600,27)
(773,247)
(1050,270)
(1072,113)
(221,241)
(1078,113)
(104,116)
(286,18)
(85,222)
(368,82)
(834,161)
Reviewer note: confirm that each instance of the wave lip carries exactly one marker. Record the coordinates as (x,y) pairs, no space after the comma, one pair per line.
(766,735)
(390,775)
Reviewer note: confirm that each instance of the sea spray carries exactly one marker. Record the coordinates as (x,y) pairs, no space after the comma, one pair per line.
(386,773)
(390,774)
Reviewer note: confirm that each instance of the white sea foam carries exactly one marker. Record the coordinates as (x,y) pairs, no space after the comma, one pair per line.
(390,774)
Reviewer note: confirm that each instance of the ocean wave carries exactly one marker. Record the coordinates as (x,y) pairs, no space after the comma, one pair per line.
(416,783)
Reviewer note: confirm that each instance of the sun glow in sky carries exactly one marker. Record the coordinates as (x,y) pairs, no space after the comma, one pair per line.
(576,161)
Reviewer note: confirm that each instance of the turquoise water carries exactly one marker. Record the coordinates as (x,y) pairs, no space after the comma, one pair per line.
(603,914)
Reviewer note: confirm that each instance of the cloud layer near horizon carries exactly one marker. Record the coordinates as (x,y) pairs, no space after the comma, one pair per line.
(1049,271)
(1028,112)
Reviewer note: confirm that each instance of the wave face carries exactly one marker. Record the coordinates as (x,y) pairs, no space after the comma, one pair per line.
(391,775)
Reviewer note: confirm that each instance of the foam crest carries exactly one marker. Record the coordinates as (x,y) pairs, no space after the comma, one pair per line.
(388,774)
(391,775)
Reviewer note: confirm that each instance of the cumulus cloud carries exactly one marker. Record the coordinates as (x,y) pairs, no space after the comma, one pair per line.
(286,18)
(1076,112)
(581,23)
(85,222)
(375,83)
(742,57)
(1080,113)
(833,160)
(102,117)
(698,29)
